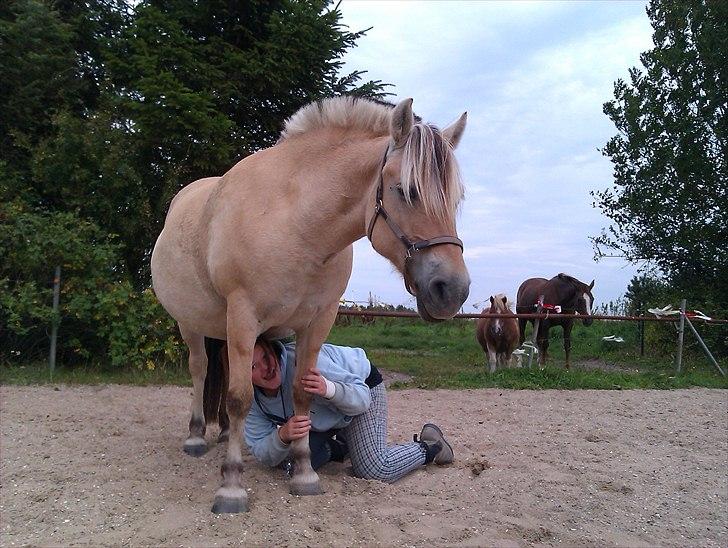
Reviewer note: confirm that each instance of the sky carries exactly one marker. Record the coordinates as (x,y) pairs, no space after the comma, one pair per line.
(533,77)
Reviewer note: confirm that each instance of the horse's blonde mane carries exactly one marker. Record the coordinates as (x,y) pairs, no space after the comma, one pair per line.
(429,169)
(343,112)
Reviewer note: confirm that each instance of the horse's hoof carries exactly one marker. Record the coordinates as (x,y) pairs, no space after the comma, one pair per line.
(225,505)
(195,447)
(230,500)
(224,436)
(305,489)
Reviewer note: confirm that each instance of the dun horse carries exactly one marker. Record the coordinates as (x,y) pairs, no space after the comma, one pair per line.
(266,249)
(498,336)
(563,290)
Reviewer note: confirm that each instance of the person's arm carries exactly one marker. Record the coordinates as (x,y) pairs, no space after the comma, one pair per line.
(262,438)
(351,398)
(269,444)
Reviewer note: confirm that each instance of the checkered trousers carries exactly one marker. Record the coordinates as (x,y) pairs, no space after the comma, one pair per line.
(366,437)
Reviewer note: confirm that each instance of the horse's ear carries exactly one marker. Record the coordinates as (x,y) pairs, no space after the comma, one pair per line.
(454,131)
(591,285)
(505,300)
(492,301)
(401,122)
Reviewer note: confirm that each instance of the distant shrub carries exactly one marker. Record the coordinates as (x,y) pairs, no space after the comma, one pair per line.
(103,318)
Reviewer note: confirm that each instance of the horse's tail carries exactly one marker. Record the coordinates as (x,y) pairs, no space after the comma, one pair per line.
(216,382)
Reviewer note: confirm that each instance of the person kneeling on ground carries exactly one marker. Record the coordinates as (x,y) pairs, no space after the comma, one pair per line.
(348,414)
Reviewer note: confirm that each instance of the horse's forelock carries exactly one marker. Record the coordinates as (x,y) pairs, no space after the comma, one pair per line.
(500,306)
(429,166)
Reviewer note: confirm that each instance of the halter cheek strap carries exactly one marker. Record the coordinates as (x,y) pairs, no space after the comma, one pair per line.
(410,246)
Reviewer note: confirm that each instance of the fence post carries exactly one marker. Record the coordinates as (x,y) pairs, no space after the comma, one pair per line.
(56,319)
(641,329)
(680,337)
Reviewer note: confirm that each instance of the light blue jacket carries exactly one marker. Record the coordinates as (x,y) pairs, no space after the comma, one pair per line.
(346,367)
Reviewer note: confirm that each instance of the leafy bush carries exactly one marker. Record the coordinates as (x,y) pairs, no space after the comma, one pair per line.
(101,315)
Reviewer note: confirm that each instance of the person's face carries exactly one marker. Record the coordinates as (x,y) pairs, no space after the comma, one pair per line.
(266,371)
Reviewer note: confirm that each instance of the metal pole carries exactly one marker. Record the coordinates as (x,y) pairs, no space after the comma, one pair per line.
(680,337)
(700,340)
(534,337)
(56,319)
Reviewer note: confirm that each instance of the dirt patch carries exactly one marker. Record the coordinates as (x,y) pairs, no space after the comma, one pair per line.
(104,466)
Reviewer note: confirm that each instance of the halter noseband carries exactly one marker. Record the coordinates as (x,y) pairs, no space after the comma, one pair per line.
(409,245)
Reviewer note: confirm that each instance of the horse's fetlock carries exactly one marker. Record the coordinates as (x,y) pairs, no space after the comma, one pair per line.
(229,468)
(197,427)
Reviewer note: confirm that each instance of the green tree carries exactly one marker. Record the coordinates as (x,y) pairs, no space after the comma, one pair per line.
(186,89)
(668,204)
(37,81)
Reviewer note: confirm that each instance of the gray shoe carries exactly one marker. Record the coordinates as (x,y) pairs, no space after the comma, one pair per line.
(436,447)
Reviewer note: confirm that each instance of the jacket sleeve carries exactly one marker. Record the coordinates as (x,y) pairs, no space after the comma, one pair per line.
(261,436)
(351,399)
(352,396)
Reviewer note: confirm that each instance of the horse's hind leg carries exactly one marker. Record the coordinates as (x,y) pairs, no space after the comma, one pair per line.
(521,331)
(195,444)
(231,496)
(543,344)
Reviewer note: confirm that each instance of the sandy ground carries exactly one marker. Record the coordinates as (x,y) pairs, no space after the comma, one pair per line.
(104,466)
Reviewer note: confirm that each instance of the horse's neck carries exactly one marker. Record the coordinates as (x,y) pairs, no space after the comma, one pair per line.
(337,209)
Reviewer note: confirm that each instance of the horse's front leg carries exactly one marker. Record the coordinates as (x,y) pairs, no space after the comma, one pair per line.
(308,343)
(492,359)
(195,443)
(231,496)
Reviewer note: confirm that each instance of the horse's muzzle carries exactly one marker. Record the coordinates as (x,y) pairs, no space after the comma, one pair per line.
(439,294)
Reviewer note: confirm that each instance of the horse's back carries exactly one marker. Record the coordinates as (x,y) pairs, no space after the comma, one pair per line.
(529,291)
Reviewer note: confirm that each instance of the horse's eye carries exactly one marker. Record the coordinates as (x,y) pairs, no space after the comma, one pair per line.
(413,196)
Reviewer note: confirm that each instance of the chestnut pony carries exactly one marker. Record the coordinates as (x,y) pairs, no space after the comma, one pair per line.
(498,336)
(266,249)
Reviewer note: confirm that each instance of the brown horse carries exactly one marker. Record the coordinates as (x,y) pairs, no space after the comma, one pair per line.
(266,249)
(564,291)
(498,336)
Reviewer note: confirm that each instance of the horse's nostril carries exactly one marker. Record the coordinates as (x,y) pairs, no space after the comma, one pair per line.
(438,290)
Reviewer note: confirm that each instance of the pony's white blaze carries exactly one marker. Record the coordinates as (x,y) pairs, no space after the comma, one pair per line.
(588,303)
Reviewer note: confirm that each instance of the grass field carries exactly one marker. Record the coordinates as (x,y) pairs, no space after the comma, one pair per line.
(446,355)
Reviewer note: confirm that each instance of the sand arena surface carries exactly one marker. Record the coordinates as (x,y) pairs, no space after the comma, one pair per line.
(104,466)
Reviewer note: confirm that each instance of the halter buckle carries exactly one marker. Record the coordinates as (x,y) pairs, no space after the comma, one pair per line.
(410,249)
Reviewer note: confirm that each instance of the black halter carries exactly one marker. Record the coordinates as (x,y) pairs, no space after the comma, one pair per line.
(409,245)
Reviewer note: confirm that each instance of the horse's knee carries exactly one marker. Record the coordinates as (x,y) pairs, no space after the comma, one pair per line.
(238,403)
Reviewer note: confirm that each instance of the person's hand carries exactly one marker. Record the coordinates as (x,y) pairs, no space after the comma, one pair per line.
(314,382)
(295,428)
